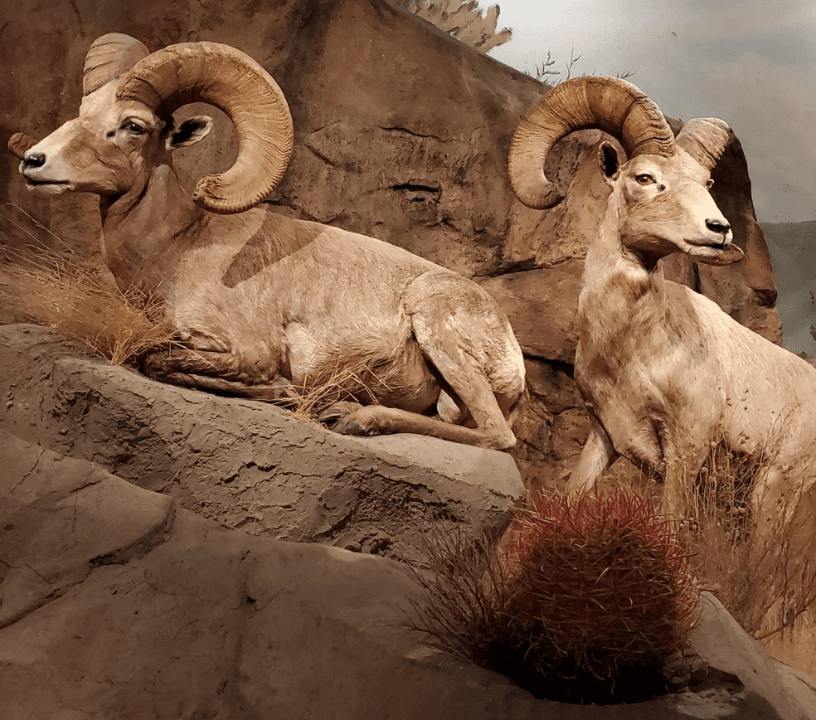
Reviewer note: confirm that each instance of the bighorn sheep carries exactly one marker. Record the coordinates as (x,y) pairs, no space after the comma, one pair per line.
(663,369)
(259,299)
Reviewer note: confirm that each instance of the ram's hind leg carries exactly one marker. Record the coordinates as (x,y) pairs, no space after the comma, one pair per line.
(210,371)
(468,380)
(493,433)
(465,336)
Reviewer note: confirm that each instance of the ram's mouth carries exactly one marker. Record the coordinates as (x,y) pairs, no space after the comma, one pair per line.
(52,187)
(38,183)
(34,182)
(718,243)
(723,253)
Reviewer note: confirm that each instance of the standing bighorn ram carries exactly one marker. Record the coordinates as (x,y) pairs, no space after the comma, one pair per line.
(663,369)
(258,299)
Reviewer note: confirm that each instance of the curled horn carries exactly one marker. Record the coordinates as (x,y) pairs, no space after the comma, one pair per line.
(110,57)
(704,139)
(20,144)
(609,104)
(235,83)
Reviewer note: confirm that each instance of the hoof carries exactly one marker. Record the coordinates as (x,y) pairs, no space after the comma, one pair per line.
(361,421)
(338,411)
(349,427)
(282,390)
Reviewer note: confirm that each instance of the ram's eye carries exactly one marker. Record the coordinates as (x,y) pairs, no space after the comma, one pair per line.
(133,127)
(644,179)
(709,184)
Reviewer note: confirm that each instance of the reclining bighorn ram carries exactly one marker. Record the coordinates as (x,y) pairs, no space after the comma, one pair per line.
(258,299)
(663,369)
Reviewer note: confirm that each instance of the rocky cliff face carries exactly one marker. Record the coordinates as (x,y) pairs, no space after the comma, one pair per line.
(116,601)
(119,602)
(793,249)
(401,132)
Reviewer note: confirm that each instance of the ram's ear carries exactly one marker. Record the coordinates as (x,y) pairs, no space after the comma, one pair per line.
(610,161)
(189,132)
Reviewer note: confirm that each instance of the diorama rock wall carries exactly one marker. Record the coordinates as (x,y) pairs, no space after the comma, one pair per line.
(401,132)
(115,599)
(249,465)
(116,603)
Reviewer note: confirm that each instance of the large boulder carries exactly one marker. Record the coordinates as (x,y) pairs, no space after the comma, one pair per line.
(247,464)
(115,603)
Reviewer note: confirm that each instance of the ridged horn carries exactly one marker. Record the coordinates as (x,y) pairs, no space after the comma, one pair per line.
(20,143)
(110,57)
(609,104)
(704,139)
(233,82)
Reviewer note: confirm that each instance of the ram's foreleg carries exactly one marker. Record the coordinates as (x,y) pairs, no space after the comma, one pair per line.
(598,454)
(215,372)
(776,496)
(681,468)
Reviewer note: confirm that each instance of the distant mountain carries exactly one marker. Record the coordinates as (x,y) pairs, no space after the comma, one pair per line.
(793,253)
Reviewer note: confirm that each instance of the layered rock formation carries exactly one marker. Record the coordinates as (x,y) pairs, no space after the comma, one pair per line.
(116,603)
(250,465)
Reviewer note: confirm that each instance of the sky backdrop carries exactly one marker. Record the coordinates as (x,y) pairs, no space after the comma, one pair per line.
(751,63)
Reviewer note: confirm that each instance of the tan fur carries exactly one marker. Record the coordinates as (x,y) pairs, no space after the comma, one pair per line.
(259,299)
(664,371)
(663,368)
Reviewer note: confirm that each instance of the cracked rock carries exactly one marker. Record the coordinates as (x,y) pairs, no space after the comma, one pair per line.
(246,464)
(204,622)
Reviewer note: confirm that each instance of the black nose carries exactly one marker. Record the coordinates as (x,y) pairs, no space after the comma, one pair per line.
(718,227)
(34,160)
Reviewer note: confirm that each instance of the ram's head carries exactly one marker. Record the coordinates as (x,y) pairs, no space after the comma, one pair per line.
(125,127)
(661,187)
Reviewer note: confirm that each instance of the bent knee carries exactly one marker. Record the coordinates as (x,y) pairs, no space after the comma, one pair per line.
(502,439)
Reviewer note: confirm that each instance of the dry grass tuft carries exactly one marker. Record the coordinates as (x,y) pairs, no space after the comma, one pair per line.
(766,580)
(358,381)
(80,299)
(591,600)
(76,296)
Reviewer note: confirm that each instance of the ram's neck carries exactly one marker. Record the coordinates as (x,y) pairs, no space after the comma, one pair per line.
(146,231)
(616,287)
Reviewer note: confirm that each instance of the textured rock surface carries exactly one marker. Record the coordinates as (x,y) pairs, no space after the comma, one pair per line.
(247,464)
(793,249)
(112,603)
(401,132)
(117,605)
(730,649)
